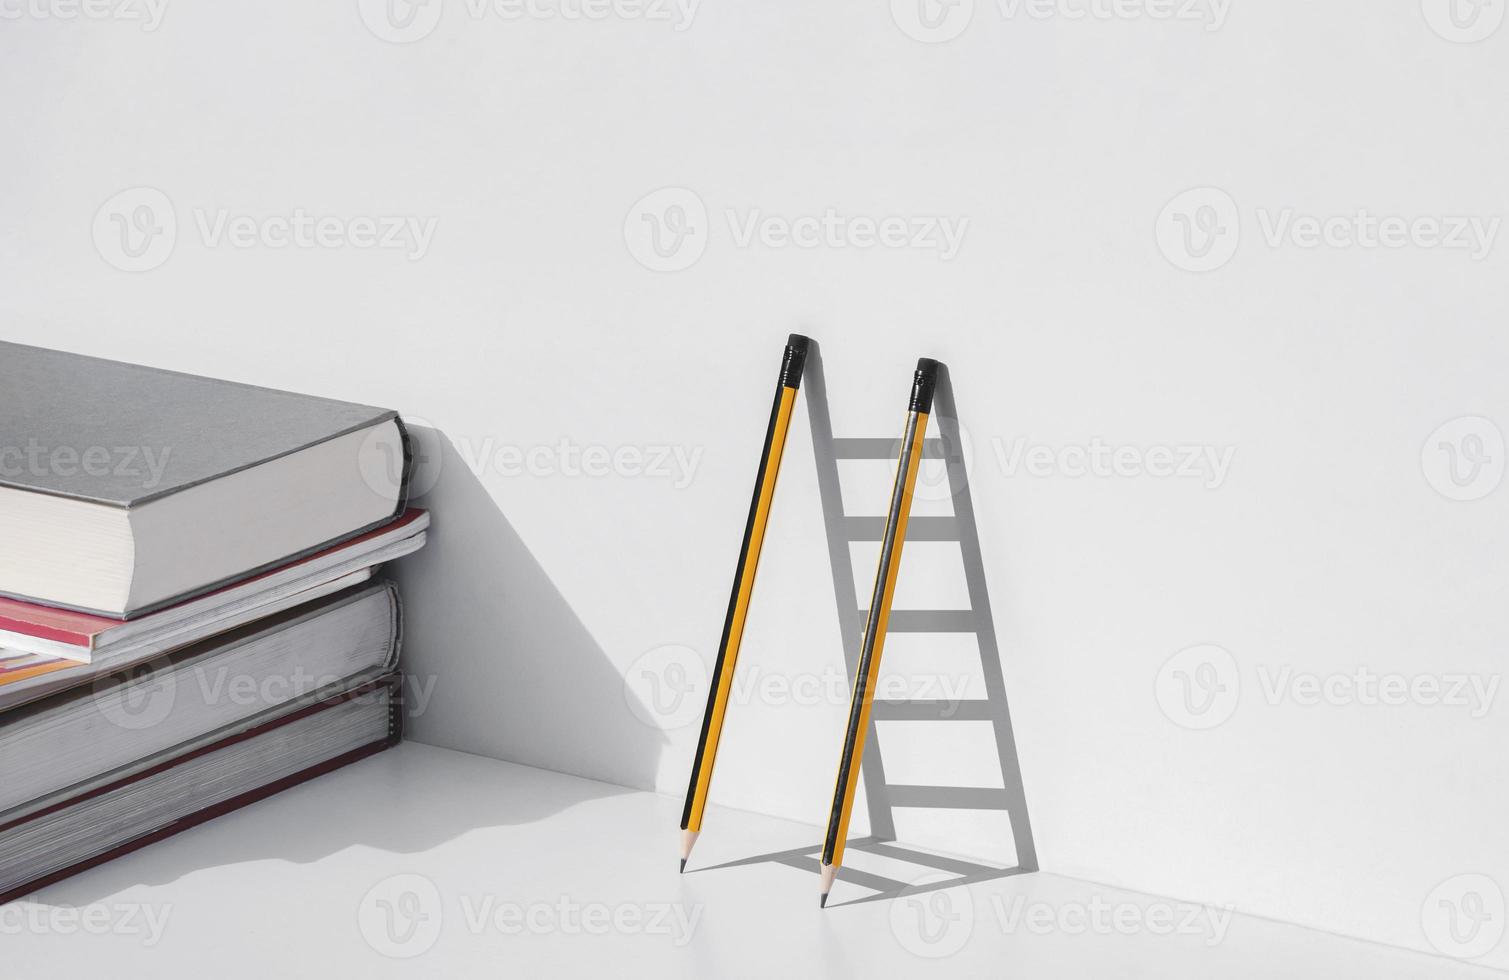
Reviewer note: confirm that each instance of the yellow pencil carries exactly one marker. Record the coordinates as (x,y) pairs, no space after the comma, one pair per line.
(923,385)
(738,604)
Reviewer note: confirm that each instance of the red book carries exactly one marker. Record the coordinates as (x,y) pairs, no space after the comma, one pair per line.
(45,650)
(29,627)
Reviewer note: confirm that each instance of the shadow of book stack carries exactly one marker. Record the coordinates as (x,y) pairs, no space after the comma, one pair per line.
(924,868)
(189,619)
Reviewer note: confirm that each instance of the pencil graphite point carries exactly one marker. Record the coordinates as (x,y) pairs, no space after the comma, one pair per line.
(683,865)
(825,882)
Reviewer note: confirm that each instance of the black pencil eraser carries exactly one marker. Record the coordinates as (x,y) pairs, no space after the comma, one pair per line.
(924,384)
(796,359)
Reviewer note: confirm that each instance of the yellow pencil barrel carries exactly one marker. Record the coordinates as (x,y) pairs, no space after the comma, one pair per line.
(719,689)
(908,463)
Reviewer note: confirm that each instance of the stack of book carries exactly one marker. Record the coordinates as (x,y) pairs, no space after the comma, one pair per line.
(189,619)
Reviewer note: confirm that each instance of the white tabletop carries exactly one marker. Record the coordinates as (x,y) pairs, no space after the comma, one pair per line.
(427,862)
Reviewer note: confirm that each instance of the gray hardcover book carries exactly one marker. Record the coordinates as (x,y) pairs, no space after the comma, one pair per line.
(126,488)
(96,731)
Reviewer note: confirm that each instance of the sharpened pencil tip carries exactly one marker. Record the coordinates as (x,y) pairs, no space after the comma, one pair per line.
(683,865)
(822,900)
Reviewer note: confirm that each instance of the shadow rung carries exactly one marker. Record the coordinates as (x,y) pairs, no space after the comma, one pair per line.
(941,862)
(948,797)
(883,449)
(941,710)
(929,620)
(864,879)
(925,528)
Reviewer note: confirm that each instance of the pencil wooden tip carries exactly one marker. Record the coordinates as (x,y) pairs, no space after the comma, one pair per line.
(825,882)
(688,841)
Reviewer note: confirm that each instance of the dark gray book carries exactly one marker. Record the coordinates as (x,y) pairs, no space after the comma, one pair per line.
(124,488)
(120,719)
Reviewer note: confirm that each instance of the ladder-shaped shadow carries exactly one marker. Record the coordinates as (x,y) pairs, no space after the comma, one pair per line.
(951,872)
(884,798)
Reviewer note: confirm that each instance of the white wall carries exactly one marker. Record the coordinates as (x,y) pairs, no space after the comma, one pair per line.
(529,321)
